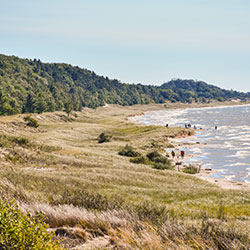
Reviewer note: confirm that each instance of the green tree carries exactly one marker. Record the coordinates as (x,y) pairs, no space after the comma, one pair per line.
(68,107)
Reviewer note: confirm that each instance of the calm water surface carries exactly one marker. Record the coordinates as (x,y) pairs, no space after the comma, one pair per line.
(227,149)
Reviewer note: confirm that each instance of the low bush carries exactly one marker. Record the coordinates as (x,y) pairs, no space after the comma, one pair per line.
(31,122)
(156,157)
(19,231)
(162,166)
(140,160)
(153,155)
(161,159)
(190,169)
(104,138)
(129,151)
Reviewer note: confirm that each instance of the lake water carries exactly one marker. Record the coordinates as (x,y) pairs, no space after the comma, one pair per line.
(226,150)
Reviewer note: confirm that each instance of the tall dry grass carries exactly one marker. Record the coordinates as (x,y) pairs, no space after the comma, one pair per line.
(62,170)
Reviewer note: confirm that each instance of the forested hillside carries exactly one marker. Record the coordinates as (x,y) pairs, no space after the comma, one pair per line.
(32,86)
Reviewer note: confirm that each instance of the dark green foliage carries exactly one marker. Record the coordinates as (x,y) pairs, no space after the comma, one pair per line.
(159,161)
(187,90)
(153,158)
(68,107)
(104,138)
(162,166)
(31,122)
(140,160)
(153,155)
(28,86)
(190,169)
(129,151)
(19,231)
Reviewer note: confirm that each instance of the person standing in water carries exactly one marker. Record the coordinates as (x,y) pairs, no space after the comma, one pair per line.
(182,154)
(173,153)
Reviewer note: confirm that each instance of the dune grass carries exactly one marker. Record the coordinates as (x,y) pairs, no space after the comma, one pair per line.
(61,164)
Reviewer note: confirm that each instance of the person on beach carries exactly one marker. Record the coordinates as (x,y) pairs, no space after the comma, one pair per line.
(194,127)
(182,154)
(173,153)
(166,125)
(215,127)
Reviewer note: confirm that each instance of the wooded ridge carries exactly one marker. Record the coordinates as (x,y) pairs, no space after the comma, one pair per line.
(31,86)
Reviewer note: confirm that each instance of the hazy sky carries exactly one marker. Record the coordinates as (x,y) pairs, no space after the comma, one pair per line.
(146,41)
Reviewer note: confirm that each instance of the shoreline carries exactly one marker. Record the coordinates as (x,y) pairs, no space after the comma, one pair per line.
(207,173)
(204,174)
(193,106)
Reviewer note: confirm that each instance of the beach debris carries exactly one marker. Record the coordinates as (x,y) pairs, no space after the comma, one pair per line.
(208,169)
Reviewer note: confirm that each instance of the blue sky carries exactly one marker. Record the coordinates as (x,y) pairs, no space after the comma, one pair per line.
(146,41)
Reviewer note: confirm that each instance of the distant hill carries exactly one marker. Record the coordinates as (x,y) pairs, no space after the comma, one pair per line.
(33,86)
(190,90)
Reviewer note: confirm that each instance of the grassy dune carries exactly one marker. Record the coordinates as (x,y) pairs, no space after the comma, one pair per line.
(93,197)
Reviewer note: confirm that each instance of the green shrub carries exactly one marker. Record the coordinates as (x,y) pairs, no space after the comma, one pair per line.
(31,122)
(129,151)
(153,155)
(19,231)
(156,157)
(161,159)
(104,138)
(162,166)
(190,169)
(140,160)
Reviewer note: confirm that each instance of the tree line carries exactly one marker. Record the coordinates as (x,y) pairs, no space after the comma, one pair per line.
(31,86)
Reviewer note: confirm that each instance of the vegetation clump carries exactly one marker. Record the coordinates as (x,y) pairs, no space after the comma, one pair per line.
(190,169)
(153,158)
(20,231)
(104,138)
(162,166)
(129,151)
(159,161)
(140,160)
(10,141)
(152,155)
(31,122)
(156,157)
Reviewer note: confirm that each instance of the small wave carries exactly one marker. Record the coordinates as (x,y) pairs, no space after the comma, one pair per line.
(236,164)
(240,154)
(229,177)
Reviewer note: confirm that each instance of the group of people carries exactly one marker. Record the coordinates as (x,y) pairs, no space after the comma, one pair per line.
(190,126)
(182,154)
